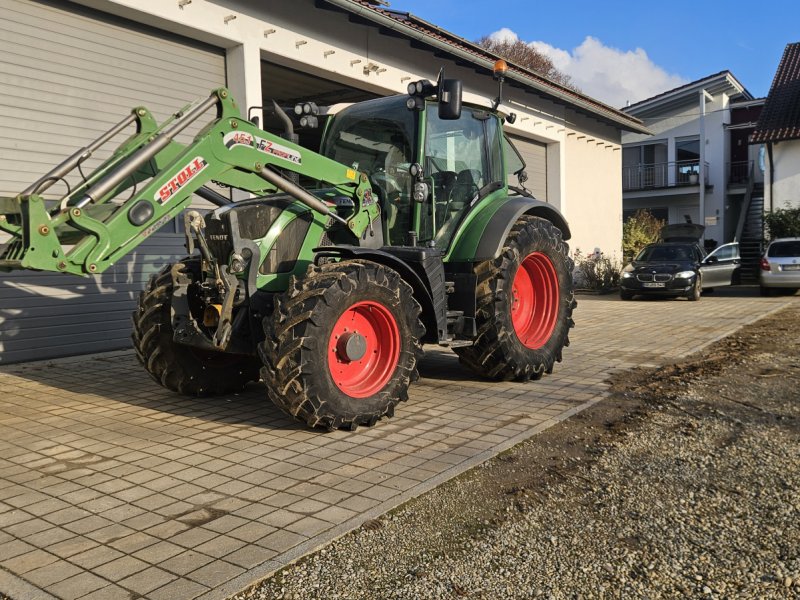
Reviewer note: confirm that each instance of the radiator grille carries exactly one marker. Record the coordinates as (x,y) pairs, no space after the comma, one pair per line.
(663,277)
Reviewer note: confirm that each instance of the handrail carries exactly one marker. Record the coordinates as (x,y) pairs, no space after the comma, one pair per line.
(739,171)
(748,197)
(679,173)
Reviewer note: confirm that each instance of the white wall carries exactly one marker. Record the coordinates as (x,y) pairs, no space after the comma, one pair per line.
(593,163)
(786,179)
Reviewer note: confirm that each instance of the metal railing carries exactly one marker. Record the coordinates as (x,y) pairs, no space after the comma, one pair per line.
(739,172)
(662,175)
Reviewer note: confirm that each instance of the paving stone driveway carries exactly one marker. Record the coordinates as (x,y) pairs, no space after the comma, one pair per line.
(111,487)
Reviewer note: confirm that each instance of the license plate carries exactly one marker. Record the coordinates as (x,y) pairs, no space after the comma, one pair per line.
(654,284)
(791,267)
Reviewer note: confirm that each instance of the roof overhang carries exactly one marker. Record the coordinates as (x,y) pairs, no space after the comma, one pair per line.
(689,94)
(483,60)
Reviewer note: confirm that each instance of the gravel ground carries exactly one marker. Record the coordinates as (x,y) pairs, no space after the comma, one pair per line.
(685,482)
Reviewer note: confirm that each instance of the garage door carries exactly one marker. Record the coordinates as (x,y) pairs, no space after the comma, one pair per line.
(69,74)
(535,156)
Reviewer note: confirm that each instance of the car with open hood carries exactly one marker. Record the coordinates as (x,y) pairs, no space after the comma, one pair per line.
(678,266)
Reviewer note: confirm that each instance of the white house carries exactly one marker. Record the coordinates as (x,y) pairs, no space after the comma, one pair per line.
(71,69)
(778,130)
(697,165)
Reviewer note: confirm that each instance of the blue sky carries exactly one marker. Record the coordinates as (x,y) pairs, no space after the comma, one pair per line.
(634,49)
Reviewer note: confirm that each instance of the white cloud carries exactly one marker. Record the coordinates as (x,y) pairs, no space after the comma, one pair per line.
(609,74)
(504,35)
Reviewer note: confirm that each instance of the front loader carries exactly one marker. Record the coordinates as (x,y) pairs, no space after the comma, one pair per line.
(402,230)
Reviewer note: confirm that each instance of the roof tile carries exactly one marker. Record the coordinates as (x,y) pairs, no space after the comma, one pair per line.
(780,117)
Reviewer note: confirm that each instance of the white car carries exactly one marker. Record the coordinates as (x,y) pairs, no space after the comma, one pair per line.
(780,266)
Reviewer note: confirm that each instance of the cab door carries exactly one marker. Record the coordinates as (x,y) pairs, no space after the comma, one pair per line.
(461,158)
(721,267)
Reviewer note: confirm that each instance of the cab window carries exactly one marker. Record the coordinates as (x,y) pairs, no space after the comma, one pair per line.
(456,164)
(378,137)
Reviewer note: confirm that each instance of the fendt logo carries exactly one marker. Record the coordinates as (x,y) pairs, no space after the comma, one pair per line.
(183,177)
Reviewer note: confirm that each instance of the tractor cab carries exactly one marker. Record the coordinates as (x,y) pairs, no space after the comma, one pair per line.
(428,166)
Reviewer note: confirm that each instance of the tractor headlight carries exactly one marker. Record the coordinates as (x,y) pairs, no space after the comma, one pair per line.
(420,191)
(684,275)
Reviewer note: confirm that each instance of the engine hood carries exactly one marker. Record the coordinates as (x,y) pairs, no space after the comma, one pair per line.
(681,232)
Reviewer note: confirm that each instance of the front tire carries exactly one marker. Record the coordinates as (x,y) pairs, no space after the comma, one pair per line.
(342,345)
(696,291)
(180,368)
(525,300)
(625,295)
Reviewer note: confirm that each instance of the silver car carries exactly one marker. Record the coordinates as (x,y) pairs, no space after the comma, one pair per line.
(780,266)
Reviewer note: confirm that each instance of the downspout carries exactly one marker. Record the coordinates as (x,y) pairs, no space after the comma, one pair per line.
(771,173)
(702,169)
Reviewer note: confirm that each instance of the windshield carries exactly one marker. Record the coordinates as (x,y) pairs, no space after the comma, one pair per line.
(378,138)
(665,253)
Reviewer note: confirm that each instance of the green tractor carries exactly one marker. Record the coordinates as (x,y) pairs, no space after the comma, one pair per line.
(402,230)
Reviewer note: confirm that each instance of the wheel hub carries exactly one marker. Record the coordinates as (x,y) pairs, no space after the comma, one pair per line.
(351,346)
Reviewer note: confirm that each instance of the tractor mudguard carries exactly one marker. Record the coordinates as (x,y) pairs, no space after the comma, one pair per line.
(482,239)
(426,291)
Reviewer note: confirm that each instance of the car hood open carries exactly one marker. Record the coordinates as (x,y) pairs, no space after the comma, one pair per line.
(681,232)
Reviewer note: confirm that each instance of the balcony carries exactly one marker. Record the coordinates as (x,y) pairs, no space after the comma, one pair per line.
(655,176)
(739,172)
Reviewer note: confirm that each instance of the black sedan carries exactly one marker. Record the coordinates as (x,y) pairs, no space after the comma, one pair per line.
(664,269)
(679,269)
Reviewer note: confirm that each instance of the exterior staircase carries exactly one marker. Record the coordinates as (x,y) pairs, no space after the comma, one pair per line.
(750,233)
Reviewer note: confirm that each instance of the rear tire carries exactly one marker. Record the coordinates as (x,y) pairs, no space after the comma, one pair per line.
(311,370)
(525,300)
(765,291)
(180,368)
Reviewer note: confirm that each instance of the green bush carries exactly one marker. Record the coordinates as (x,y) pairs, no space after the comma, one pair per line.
(595,271)
(638,231)
(783,222)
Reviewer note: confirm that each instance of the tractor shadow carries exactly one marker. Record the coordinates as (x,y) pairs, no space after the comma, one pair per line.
(442,364)
(118,378)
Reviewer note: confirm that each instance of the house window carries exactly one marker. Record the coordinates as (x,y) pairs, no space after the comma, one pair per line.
(687,150)
(644,166)
(687,160)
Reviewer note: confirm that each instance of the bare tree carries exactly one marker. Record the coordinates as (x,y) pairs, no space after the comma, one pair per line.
(524,55)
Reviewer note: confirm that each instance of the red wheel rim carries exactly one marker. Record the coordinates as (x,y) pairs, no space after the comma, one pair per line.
(375,330)
(534,302)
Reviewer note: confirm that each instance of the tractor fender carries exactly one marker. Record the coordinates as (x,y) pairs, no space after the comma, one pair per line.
(422,291)
(492,236)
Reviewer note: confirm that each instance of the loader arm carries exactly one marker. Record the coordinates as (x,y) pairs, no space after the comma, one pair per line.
(150,178)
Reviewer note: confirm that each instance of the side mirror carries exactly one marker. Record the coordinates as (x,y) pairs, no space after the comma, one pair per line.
(710,260)
(450,99)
